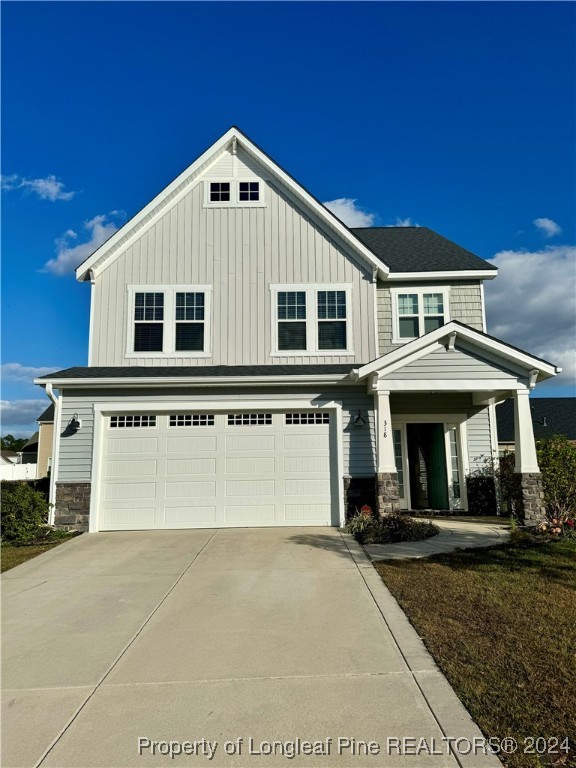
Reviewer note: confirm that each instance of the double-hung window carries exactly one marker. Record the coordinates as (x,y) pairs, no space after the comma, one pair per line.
(418,311)
(169,320)
(311,320)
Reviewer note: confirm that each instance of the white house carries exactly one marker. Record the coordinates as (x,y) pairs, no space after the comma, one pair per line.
(254,362)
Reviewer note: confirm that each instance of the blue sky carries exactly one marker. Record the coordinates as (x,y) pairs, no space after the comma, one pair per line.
(456,116)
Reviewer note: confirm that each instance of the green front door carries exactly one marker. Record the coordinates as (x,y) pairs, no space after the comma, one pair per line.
(427,465)
(437,479)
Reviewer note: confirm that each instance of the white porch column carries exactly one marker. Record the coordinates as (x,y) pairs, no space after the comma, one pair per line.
(525,447)
(384,435)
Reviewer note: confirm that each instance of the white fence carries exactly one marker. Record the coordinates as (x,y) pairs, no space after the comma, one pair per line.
(18,471)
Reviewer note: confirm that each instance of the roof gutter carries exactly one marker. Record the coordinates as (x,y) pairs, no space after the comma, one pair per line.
(181,381)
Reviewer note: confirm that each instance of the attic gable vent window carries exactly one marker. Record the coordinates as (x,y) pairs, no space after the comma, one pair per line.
(249,190)
(220,191)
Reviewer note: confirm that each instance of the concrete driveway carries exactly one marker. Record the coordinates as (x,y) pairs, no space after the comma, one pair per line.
(221,642)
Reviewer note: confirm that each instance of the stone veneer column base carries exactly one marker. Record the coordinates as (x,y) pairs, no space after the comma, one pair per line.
(72,511)
(532,509)
(387,493)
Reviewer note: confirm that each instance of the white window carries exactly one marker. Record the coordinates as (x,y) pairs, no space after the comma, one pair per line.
(168,320)
(311,320)
(191,420)
(129,422)
(234,193)
(417,311)
(314,417)
(249,419)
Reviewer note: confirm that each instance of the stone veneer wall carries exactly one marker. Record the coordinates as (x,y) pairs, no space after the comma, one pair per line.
(72,510)
(387,493)
(358,491)
(531,498)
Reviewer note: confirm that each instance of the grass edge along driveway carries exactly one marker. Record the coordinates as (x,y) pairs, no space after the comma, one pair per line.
(501,625)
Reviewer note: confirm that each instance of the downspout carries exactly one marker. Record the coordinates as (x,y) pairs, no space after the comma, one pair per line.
(55,449)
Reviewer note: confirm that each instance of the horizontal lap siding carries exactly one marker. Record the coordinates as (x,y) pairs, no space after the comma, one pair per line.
(240,252)
(76,450)
(479,443)
(465,306)
(453,365)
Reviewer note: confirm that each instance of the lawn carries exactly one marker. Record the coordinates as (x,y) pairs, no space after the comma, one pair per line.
(501,624)
(13,556)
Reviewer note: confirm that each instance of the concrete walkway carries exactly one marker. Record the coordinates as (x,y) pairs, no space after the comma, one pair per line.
(227,646)
(454,534)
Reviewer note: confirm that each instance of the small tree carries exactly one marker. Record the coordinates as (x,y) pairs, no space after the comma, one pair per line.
(557,461)
(24,513)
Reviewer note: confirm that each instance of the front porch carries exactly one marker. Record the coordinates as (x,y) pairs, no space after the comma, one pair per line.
(434,402)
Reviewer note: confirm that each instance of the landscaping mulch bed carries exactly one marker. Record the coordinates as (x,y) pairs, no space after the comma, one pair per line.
(501,624)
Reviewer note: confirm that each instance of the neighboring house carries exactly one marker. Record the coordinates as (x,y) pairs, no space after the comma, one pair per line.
(9,457)
(29,452)
(550,416)
(45,441)
(254,362)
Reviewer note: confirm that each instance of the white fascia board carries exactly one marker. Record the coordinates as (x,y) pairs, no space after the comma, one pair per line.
(182,381)
(165,196)
(428,342)
(461,274)
(455,385)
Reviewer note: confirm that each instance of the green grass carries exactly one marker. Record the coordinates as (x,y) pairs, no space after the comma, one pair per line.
(13,556)
(501,624)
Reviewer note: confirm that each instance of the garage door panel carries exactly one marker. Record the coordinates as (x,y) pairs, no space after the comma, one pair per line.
(246,442)
(300,512)
(183,489)
(307,487)
(250,465)
(252,513)
(132,445)
(196,514)
(191,467)
(121,468)
(130,490)
(238,470)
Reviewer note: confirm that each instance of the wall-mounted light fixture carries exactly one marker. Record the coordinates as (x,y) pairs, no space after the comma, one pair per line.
(75,423)
(359,420)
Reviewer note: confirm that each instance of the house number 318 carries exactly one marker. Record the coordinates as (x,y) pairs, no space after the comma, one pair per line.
(385,428)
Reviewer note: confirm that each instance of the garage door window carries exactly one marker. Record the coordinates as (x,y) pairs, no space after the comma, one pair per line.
(192,420)
(117,422)
(249,419)
(307,418)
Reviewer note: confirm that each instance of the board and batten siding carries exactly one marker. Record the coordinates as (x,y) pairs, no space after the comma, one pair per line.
(465,306)
(240,252)
(75,460)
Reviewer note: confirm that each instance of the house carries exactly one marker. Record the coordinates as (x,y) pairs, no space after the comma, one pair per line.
(9,457)
(254,362)
(45,441)
(550,416)
(29,452)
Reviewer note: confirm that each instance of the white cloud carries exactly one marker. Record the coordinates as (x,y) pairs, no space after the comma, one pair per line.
(404,222)
(69,256)
(24,373)
(547,226)
(531,304)
(347,211)
(48,188)
(19,415)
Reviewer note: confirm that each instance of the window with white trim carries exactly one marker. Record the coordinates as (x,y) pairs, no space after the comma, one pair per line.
(311,320)
(191,420)
(130,422)
(249,419)
(169,320)
(418,311)
(234,193)
(311,417)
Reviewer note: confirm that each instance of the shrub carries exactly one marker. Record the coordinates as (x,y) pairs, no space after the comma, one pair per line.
(389,529)
(24,513)
(557,461)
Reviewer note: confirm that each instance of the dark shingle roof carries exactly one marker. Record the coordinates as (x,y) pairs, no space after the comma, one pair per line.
(48,414)
(233,371)
(559,413)
(32,444)
(418,249)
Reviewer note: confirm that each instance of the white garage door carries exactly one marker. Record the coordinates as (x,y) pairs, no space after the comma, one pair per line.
(204,470)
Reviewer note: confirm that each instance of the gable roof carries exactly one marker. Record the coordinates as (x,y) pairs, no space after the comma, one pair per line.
(419,249)
(32,444)
(181,185)
(47,415)
(421,346)
(550,416)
